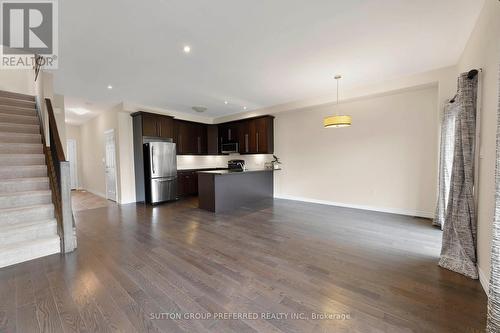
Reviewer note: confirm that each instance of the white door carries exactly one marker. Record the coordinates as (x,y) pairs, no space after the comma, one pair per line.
(72,158)
(110,164)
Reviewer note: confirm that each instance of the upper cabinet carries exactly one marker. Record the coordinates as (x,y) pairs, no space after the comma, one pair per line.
(155,125)
(190,137)
(228,132)
(256,135)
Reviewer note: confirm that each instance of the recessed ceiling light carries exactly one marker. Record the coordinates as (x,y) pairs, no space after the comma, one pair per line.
(79,111)
(110,87)
(226,102)
(244,108)
(187,49)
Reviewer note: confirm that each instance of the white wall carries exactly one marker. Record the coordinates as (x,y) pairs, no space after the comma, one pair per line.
(60,116)
(18,80)
(386,161)
(74,132)
(93,153)
(483,51)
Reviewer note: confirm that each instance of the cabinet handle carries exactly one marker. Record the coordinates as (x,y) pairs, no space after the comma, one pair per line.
(199,144)
(257,139)
(229,134)
(246,143)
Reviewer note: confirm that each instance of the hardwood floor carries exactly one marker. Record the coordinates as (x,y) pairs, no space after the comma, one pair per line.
(82,200)
(376,272)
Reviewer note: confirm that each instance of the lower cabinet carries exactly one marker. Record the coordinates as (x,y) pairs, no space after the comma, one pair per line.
(187,183)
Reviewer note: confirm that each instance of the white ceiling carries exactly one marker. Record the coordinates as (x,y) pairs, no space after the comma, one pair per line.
(251,53)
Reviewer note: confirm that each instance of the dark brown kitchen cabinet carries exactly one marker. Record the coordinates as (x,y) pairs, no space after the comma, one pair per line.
(228,132)
(187,183)
(213,145)
(155,125)
(190,137)
(255,135)
(264,135)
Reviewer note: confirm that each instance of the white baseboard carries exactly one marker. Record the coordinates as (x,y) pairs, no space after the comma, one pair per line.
(399,211)
(100,194)
(484,280)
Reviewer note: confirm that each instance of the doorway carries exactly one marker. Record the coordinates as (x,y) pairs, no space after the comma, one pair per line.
(73,162)
(110,164)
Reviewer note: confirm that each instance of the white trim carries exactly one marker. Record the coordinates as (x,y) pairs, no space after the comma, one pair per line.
(484,280)
(409,212)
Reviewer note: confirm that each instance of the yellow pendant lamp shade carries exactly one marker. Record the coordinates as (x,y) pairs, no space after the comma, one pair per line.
(337,121)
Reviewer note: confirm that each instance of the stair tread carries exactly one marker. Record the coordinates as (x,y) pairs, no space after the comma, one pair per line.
(22,167)
(23,208)
(13,99)
(24,193)
(16,115)
(24,224)
(4,155)
(29,243)
(17,107)
(27,179)
(18,125)
(20,144)
(16,95)
(3,133)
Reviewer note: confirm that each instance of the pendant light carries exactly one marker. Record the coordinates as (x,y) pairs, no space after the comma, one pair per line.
(337,121)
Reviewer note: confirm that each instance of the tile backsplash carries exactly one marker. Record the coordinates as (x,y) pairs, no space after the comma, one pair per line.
(200,162)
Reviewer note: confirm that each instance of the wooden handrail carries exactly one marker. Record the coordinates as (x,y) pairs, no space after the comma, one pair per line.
(54,131)
(59,179)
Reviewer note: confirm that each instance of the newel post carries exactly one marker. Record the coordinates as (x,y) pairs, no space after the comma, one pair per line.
(69,242)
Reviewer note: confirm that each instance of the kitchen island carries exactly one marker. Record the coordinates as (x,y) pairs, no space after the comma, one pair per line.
(225,190)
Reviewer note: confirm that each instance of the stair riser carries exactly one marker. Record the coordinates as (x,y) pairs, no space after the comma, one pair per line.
(21,149)
(10,187)
(16,161)
(21,201)
(18,111)
(9,173)
(13,95)
(17,138)
(29,252)
(12,128)
(15,119)
(32,214)
(33,232)
(16,103)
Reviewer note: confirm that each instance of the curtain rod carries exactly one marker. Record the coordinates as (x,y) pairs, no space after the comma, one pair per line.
(473,72)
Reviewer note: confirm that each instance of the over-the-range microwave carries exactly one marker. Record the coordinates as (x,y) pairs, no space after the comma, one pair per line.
(229,148)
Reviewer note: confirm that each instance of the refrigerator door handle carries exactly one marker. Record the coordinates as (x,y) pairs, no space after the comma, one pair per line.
(169,179)
(153,159)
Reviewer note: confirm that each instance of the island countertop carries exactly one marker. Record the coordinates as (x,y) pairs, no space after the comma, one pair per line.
(231,172)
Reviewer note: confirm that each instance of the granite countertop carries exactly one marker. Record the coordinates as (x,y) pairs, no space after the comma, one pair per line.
(230,172)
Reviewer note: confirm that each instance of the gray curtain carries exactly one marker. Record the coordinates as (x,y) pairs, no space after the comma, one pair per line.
(494,287)
(447,145)
(458,252)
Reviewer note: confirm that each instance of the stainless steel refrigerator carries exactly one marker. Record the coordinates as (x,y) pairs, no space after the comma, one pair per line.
(161,172)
